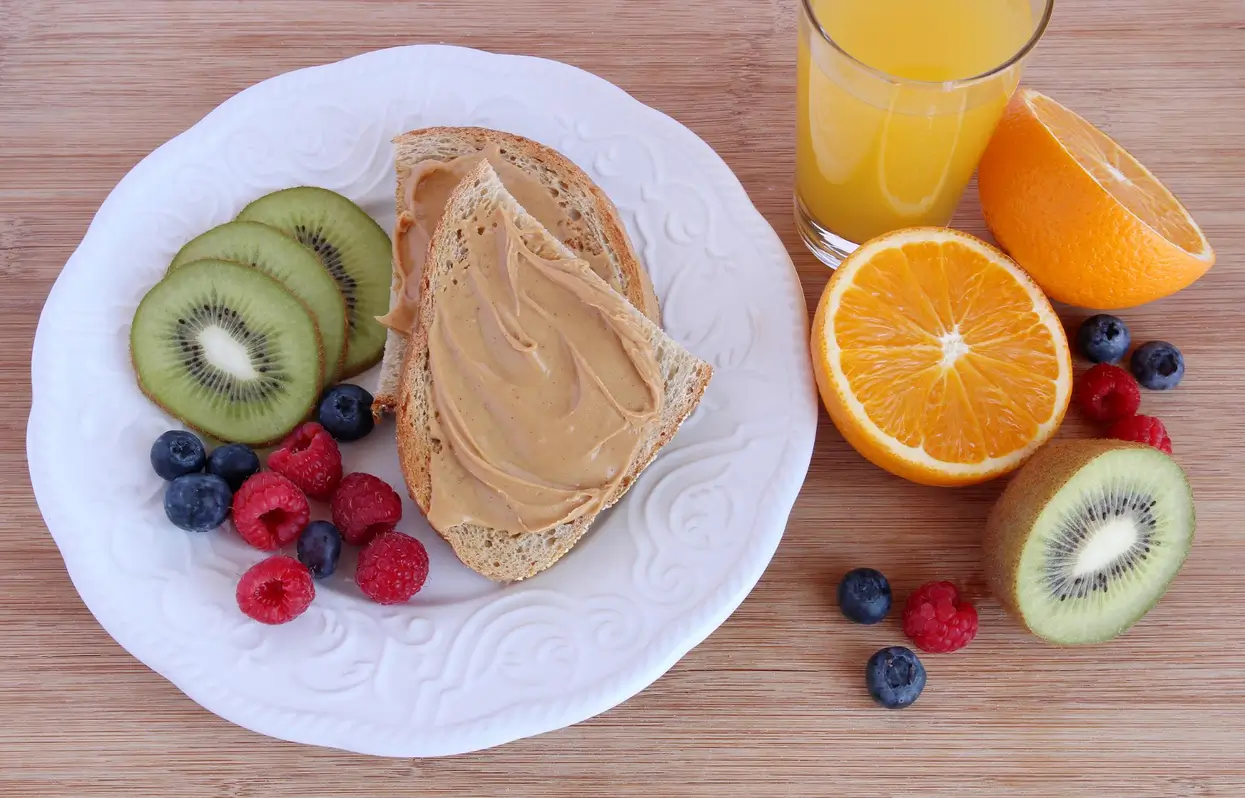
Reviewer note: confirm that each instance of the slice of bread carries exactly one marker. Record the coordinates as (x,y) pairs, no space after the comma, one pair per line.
(496,553)
(598,229)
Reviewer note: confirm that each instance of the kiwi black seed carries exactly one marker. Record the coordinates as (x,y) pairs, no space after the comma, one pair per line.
(1087,537)
(289,263)
(228,350)
(353,249)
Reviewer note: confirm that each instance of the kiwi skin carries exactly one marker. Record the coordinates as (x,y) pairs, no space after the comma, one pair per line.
(1026,496)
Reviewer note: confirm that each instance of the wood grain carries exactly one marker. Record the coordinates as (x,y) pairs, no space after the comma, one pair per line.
(771,704)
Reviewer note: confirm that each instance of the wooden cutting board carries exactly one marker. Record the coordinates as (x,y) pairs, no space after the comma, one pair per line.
(773,703)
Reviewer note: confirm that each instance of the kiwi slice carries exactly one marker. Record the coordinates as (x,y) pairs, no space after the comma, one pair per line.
(1087,537)
(226,349)
(289,263)
(353,248)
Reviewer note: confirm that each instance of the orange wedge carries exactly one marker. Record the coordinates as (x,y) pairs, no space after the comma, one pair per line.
(938,359)
(1088,222)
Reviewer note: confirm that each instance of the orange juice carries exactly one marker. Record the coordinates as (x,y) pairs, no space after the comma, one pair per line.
(894,115)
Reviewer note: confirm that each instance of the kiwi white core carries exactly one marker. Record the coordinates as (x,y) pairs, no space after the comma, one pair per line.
(1105,547)
(1108,542)
(222,351)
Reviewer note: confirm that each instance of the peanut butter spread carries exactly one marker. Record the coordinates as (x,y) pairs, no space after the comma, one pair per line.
(544,384)
(425,190)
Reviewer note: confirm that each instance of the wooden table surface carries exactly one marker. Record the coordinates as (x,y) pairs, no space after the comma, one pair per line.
(772,703)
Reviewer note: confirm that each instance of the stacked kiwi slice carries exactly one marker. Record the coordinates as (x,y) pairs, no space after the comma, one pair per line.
(1087,537)
(254,317)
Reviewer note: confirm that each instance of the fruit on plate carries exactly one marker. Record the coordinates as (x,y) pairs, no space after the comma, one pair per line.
(269,511)
(1088,222)
(1142,429)
(310,459)
(234,462)
(1157,365)
(938,359)
(1108,394)
(936,619)
(197,502)
(346,412)
(895,677)
(864,596)
(275,590)
(226,349)
(289,263)
(353,248)
(176,453)
(319,547)
(365,506)
(1103,339)
(1087,537)
(392,568)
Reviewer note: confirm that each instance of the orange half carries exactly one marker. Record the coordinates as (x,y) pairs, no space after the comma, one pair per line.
(1083,217)
(938,358)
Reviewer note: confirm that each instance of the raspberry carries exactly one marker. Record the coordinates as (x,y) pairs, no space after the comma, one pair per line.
(277,590)
(309,457)
(270,511)
(364,507)
(1109,393)
(1143,429)
(392,568)
(937,621)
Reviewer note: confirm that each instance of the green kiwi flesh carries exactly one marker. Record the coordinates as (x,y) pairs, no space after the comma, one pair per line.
(1087,538)
(281,257)
(228,350)
(353,248)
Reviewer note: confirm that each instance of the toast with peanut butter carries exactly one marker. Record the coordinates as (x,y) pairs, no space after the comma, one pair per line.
(533,394)
(558,193)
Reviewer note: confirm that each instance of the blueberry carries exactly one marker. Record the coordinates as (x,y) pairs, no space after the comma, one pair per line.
(865,596)
(319,546)
(177,452)
(1103,339)
(346,412)
(1157,365)
(895,677)
(197,502)
(233,462)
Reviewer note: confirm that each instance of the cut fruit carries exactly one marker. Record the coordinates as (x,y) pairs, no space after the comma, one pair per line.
(353,248)
(1084,218)
(938,359)
(230,352)
(289,263)
(1087,537)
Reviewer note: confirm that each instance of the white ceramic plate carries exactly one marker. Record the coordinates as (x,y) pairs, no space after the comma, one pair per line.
(466,664)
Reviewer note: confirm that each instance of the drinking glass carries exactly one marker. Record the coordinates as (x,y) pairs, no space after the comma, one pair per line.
(896,102)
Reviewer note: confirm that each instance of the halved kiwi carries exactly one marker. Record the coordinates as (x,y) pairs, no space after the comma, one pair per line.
(1087,537)
(281,257)
(230,352)
(353,248)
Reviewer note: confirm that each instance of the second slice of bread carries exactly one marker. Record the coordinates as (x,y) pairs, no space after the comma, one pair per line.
(496,553)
